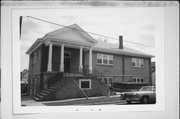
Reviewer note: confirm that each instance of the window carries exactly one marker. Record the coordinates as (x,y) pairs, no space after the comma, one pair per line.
(107,80)
(85,84)
(154,89)
(110,81)
(134,80)
(99,58)
(111,59)
(137,62)
(137,80)
(104,59)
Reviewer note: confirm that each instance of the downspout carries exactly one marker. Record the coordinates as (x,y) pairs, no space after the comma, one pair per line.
(123,71)
(150,73)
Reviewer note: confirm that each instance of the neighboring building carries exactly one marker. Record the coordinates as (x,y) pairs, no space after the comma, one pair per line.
(69,63)
(153,68)
(24,76)
(24,82)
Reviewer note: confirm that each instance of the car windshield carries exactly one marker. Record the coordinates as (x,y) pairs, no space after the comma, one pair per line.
(146,88)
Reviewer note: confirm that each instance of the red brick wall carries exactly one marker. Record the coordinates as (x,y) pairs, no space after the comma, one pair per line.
(45,52)
(71,90)
(129,70)
(116,71)
(35,68)
(108,70)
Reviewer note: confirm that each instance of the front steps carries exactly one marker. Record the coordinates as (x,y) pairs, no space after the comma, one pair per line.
(45,94)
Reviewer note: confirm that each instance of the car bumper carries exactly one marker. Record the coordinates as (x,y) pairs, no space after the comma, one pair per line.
(132,99)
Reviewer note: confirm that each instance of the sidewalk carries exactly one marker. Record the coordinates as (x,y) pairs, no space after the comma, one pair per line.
(27,101)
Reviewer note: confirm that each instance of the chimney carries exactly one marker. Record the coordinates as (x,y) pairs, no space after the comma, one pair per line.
(120,42)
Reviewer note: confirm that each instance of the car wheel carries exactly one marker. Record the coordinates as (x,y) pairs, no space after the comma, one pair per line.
(145,100)
(128,102)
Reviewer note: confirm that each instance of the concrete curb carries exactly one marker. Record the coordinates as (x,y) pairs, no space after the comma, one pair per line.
(42,103)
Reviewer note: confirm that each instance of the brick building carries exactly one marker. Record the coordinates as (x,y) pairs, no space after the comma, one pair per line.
(69,63)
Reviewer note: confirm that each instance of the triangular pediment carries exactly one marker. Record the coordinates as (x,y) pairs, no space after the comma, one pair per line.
(72,33)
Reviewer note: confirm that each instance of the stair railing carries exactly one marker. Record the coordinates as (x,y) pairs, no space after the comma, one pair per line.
(80,88)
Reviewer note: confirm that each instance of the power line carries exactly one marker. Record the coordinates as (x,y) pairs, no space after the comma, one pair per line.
(86,31)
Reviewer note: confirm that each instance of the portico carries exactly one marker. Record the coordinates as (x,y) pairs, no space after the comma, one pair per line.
(66,49)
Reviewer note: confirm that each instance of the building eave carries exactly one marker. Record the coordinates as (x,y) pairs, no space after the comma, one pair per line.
(35,45)
(69,41)
(122,52)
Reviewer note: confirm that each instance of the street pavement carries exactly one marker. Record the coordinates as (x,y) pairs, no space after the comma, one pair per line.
(102,100)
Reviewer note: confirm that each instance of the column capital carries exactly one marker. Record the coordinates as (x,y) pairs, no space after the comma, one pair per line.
(62,44)
(81,47)
(48,42)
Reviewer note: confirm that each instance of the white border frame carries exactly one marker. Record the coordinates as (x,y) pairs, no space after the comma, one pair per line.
(107,108)
(14,108)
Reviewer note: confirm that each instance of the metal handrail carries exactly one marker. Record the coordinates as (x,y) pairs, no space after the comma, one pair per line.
(79,88)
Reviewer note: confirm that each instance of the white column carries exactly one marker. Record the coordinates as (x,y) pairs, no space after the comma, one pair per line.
(80,59)
(62,58)
(90,60)
(50,58)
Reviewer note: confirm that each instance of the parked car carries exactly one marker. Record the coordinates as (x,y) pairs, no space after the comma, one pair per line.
(144,95)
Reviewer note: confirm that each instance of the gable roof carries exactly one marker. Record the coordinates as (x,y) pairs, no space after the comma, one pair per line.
(76,35)
(72,33)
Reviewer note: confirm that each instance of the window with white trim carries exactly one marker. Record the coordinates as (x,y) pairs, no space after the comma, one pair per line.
(85,84)
(107,80)
(137,62)
(104,59)
(99,58)
(111,59)
(138,79)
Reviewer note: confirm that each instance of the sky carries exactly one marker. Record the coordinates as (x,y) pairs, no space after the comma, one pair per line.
(136,25)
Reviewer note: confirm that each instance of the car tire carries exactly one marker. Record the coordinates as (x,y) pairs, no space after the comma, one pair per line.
(145,100)
(128,102)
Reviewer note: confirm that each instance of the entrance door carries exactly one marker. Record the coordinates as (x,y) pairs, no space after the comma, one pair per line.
(67,61)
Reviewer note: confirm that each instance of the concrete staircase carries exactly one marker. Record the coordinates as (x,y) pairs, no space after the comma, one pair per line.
(46,94)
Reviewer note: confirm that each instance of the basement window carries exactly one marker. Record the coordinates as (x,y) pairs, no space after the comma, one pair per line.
(138,80)
(107,80)
(85,84)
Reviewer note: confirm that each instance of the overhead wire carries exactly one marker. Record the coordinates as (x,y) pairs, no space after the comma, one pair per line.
(86,31)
